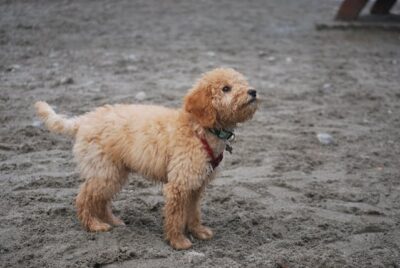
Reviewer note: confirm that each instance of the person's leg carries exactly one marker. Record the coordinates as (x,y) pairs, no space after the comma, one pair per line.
(350,9)
(382,7)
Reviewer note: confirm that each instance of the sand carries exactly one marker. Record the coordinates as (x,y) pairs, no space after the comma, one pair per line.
(283,199)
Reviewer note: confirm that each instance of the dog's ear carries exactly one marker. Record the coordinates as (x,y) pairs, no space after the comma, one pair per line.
(199,104)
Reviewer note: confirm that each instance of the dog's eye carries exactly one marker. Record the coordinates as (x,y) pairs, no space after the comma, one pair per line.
(226,89)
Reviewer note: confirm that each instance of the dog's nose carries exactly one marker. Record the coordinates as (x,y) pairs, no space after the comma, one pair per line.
(252,92)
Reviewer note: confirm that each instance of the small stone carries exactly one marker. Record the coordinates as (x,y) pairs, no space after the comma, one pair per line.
(289,60)
(326,86)
(132,57)
(325,138)
(123,249)
(271,58)
(31,86)
(66,81)
(95,89)
(53,54)
(13,68)
(36,123)
(394,62)
(262,53)
(69,257)
(88,83)
(140,96)
(131,68)
(194,257)
(210,53)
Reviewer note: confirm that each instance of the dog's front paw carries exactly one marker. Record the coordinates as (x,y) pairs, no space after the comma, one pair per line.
(201,232)
(180,242)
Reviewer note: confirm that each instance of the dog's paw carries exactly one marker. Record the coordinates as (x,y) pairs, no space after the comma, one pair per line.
(180,243)
(99,227)
(117,221)
(201,232)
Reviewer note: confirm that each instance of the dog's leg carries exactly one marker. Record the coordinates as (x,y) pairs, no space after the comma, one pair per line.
(176,215)
(111,218)
(91,207)
(194,217)
(94,200)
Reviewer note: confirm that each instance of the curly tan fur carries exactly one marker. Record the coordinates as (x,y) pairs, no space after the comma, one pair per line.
(159,143)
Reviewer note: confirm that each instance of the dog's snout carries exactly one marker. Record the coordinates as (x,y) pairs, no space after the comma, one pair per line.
(252,92)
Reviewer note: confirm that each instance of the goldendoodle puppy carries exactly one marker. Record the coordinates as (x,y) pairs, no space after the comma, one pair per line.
(181,148)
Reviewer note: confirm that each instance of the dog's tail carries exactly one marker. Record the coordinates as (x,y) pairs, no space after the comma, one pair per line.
(55,122)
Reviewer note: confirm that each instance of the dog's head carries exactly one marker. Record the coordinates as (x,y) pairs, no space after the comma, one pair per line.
(222,97)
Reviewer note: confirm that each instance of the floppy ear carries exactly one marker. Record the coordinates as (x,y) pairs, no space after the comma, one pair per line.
(198,103)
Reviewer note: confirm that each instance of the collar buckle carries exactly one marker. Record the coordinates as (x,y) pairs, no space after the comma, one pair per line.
(223,134)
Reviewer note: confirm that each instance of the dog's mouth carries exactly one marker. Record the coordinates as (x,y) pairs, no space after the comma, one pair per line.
(252,100)
(248,103)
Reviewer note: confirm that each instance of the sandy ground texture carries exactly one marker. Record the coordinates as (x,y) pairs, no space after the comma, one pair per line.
(283,200)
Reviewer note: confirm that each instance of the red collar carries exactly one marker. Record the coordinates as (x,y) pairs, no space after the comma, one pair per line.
(214,160)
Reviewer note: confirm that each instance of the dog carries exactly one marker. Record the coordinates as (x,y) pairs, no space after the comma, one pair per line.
(182,148)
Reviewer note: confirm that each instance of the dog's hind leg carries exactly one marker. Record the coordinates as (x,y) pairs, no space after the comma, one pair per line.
(111,218)
(93,204)
(103,180)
